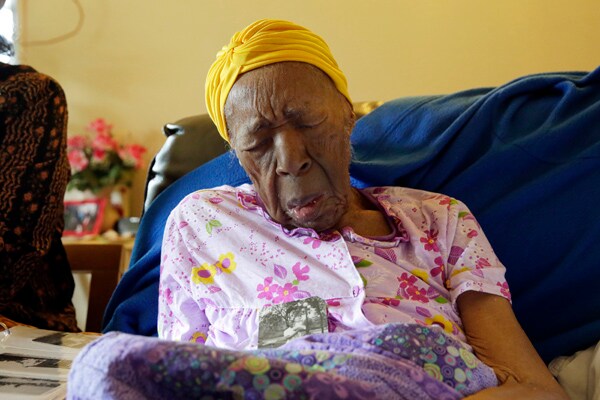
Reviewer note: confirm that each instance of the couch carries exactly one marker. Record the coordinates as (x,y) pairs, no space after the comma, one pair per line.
(524,156)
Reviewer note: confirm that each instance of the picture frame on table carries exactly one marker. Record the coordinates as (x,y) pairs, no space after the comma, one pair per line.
(84,217)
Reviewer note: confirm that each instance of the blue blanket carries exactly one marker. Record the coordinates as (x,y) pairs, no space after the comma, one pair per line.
(525,157)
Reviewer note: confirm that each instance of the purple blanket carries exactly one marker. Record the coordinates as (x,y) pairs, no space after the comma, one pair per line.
(395,361)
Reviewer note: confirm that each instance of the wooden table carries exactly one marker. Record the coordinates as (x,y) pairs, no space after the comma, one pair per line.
(106,261)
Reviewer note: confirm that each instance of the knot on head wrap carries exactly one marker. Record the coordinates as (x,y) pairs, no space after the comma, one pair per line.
(265,42)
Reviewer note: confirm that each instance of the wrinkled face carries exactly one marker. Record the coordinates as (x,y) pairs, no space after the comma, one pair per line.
(290,129)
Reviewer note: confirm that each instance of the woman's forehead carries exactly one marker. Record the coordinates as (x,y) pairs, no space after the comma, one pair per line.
(285,68)
(290,86)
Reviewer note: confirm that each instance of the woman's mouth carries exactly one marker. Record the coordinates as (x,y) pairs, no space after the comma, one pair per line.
(305,210)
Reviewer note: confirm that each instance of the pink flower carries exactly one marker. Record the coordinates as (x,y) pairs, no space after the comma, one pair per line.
(99,156)
(419,294)
(409,290)
(100,126)
(315,242)
(447,201)
(406,280)
(78,160)
(430,241)
(132,155)
(104,141)
(504,289)
(78,142)
(439,269)
(285,293)
(301,272)
(267,289)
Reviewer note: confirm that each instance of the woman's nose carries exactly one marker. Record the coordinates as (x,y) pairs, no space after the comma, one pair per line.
(292,158)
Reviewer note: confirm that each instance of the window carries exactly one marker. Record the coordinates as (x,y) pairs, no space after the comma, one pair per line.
(7,27)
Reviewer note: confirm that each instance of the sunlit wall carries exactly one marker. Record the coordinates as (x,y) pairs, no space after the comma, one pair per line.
(141,63)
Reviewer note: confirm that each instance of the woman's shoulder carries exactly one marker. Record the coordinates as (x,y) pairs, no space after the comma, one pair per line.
(219,199)
(8,70)
(415,202)
(399,195)
(18,80)
(12,72)
(219,194)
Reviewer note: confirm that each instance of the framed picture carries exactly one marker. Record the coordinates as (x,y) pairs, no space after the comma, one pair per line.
(84,217)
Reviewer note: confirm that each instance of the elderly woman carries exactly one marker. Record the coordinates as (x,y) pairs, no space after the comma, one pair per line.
(377,256)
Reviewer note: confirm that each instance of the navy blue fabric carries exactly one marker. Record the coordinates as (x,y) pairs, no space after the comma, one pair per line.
(525,158)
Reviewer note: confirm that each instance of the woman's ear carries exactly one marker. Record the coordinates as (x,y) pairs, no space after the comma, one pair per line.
(350,118)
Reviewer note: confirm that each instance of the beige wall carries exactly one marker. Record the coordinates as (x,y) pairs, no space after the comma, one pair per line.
(141,63)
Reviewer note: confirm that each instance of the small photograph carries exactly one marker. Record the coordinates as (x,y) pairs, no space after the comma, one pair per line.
(84,218)
(278,324)
(13,387)
(33,366)
(72,340)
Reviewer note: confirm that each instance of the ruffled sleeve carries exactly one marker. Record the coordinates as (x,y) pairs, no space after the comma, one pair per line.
(471,261)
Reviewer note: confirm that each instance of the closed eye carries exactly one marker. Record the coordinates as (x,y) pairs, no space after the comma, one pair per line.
(311,124)
(258,146)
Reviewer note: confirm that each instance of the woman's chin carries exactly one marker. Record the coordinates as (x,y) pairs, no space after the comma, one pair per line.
(321,222)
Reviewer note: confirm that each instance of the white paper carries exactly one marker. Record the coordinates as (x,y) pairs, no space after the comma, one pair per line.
(17,388)
(35,363)
(45,342)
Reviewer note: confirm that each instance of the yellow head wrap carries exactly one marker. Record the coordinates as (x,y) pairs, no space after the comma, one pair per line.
(265,42)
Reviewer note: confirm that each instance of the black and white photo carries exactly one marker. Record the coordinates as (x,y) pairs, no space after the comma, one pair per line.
(281,323)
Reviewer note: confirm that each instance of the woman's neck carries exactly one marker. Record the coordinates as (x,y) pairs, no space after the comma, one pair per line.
(364,217)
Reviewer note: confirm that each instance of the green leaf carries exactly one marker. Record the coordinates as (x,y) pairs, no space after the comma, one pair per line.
(363,263)
(364,280)
(462,214)
(441,300)
(214,223)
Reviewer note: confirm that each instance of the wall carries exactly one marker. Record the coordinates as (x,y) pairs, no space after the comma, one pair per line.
(141,63)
